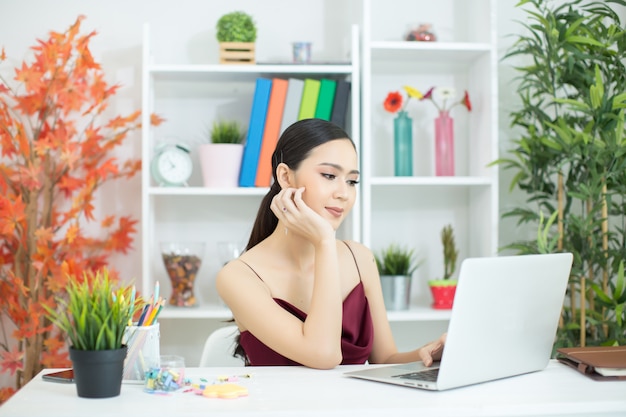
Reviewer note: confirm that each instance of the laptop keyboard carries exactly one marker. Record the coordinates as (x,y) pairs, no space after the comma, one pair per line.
(427,375)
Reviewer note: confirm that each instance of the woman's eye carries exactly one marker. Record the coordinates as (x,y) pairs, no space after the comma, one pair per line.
(329,176)
(353,182)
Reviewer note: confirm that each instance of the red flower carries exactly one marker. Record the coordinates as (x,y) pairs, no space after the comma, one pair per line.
(466,101)
(393,102)
(429,94)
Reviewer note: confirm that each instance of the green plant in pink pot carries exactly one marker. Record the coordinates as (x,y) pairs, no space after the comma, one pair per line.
(443,289)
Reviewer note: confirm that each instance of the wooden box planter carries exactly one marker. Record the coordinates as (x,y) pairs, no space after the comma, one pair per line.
(237,53)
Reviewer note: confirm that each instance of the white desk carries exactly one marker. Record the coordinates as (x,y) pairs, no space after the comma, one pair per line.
(297,391)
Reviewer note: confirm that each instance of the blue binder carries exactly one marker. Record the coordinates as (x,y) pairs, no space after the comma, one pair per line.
(256,127)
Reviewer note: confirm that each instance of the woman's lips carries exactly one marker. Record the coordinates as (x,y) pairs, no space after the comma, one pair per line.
(335,211)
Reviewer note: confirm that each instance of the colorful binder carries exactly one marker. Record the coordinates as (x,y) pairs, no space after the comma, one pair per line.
(273,120)
(292,103)
(325,99)
(256,127)
(309,99)
(340,106)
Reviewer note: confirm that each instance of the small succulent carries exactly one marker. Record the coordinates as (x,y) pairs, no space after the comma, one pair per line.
(450,252)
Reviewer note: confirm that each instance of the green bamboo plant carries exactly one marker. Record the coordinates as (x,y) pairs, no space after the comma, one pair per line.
(396,260)
(94,315)
(570,157)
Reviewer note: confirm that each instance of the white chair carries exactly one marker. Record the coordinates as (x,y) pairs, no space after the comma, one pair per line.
(218,348)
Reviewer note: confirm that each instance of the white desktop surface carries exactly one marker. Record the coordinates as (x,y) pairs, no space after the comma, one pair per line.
(299,391)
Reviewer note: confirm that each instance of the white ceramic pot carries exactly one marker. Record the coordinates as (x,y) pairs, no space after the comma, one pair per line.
(220,163)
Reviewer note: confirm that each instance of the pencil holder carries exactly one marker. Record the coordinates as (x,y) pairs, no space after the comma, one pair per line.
(143,351)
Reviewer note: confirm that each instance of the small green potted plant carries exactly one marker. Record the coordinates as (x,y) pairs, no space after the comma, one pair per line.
(443,289)
(94,316)
(236,33)
(227,131)
(220,160)
(396,265)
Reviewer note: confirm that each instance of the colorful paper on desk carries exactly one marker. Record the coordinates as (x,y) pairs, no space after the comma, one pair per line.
(594,361)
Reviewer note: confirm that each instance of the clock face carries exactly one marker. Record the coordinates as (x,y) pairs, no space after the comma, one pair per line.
(172,166)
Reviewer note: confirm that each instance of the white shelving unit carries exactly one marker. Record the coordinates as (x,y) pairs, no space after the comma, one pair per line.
(412,210)
(408,210)
(189,97)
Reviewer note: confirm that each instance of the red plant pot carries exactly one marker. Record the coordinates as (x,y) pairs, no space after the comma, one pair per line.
(443,294)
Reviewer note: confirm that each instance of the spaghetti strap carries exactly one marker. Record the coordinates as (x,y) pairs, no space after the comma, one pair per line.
(252,269)
(353,257)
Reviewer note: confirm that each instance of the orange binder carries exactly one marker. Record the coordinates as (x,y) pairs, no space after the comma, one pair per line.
(272,130)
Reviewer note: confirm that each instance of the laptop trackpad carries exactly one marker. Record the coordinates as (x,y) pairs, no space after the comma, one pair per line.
(413,367)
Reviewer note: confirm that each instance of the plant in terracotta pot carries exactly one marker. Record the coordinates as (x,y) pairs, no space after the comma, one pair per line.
(236,33)
(220,160)
(57,141)
(396,265)
(94,316)
(443,289)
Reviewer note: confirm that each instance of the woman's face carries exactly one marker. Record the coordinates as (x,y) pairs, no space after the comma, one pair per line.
(330,176)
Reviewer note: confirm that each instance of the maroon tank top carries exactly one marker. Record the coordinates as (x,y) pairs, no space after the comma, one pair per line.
(357,332)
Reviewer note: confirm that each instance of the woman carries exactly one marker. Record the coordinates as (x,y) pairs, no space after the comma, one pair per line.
(297,294)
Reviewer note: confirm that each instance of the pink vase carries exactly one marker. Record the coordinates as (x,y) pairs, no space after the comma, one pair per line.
(444,145)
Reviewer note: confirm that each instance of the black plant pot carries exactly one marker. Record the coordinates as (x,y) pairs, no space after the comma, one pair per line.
(98,373)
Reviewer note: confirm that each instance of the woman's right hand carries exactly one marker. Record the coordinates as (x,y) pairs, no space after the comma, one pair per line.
(297,217)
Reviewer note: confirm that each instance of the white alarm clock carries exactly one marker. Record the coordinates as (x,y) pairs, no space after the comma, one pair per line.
(171,165)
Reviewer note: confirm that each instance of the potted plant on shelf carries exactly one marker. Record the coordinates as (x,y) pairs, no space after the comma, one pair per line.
(236,33)
(57,144)
(443,289)
(568,157)
(220,160)
(396,265)
(94,316)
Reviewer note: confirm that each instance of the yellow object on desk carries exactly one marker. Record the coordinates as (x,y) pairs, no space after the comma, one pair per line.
(225,391)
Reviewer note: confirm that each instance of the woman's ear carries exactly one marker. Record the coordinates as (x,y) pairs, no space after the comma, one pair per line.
(283,175)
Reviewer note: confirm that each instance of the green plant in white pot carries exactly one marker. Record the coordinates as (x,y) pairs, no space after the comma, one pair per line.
(236,33)
(94,316)
(220,160)
(396,265)
(443,289)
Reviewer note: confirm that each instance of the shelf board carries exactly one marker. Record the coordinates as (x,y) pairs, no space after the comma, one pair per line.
(454,181)
(209,311)
(415,313)
(457,52)
(220,72)
(419,313)
(243,191)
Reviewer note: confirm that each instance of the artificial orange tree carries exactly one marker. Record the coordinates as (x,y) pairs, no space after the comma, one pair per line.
(56,145)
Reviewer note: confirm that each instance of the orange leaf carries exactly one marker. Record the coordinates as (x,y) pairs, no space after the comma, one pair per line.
(11,360)
(156,120)
(107,222)
(71,233)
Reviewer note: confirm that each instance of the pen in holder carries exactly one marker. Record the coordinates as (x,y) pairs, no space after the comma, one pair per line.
(143,351)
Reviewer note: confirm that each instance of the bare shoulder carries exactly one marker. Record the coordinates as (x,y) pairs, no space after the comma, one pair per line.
(236,275)
(363,254)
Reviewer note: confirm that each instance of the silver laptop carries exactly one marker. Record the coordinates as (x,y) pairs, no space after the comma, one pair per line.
(504,320)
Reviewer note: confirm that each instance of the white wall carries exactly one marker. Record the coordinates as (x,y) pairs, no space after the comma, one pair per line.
(184,31)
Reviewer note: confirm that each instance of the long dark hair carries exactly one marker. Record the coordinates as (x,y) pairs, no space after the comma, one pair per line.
(294,146)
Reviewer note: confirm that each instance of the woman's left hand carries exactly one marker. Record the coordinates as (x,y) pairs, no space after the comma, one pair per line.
(432,351)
